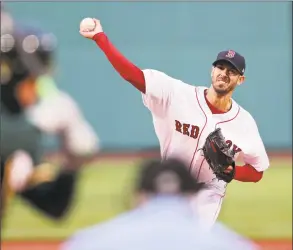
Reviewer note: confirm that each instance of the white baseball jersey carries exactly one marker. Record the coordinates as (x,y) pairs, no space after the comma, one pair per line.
(182,121)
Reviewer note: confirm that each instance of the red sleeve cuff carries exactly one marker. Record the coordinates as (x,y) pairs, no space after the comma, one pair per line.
(97,36)
(247,173)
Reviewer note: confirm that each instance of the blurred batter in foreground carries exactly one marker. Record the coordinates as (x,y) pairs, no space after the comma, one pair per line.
(162,219)
(31,106)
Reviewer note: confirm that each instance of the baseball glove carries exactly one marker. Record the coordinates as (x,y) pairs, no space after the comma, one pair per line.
(219,156)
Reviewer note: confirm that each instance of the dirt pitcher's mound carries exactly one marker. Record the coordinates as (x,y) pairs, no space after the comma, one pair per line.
(42,245)
(276,244)
(265,245)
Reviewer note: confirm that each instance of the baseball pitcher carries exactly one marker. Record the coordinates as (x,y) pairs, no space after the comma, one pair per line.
(204,127)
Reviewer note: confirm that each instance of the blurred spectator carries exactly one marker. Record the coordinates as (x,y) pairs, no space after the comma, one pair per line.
(32,105)
(162,220)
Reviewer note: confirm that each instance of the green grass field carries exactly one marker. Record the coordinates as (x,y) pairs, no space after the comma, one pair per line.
(258,210)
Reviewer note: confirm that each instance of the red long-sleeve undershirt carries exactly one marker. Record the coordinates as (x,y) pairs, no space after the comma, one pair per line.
(135,76)
(124,67)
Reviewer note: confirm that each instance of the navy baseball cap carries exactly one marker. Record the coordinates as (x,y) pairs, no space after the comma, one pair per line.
(231,56)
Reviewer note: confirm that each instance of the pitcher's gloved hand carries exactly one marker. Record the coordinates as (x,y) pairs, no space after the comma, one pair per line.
(219,156)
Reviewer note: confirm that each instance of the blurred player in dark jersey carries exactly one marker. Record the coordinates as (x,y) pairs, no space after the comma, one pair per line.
(31,106)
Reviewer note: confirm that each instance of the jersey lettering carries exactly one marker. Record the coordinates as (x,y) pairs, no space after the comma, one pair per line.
(236,149)
(230,144)
(187,129)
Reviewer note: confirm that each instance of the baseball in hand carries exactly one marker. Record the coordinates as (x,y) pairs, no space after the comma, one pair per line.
(87,24)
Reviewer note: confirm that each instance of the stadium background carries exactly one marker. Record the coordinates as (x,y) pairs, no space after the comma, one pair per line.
(181,39)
